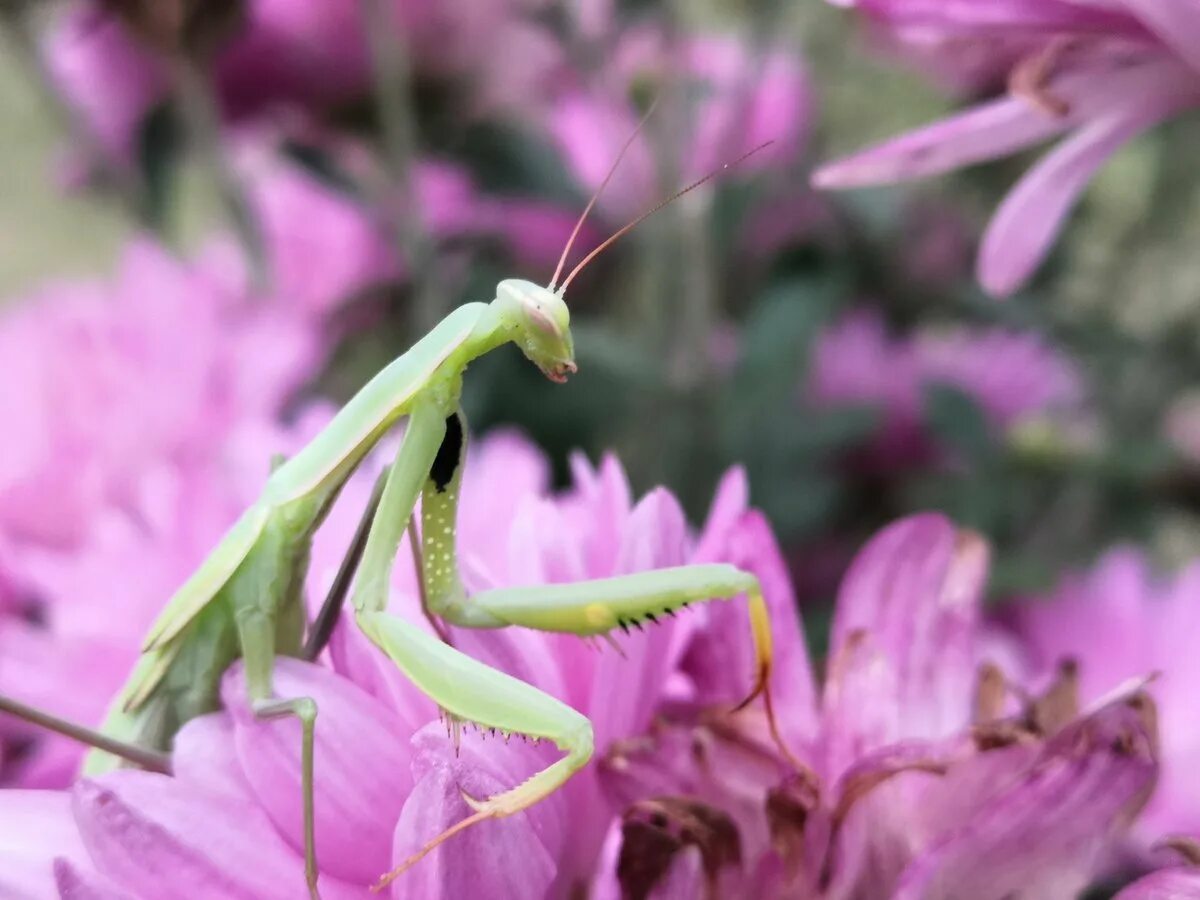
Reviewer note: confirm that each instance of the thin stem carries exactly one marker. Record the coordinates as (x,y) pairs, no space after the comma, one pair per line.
(150,760)
(203,122)
(393,101)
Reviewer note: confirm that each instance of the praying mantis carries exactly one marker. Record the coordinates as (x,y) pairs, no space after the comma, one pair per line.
(246,598)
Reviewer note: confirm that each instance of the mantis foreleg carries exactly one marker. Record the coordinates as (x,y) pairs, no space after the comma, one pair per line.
(470,691)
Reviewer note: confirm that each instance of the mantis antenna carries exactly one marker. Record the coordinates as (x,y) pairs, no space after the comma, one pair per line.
(620,232)
(596,195)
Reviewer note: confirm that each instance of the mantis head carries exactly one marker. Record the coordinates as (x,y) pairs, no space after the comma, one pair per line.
(542,325)
(539,314)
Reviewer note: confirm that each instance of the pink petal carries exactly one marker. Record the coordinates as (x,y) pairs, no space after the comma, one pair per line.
(152,835)
(1000,128)
(1000,18)
(204,756)
(986,132)
(905,625)
(1176,883)
(720,656)
(1025,225)
(602,500)
(729,502)
(1175,22)
(506,858)
(1047,835)
(355,658)
(322,245)
(361,761)
(76,884)
(626,689)
(35,829)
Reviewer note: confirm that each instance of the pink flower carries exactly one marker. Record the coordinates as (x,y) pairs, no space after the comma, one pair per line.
(742,103)
(109,80)
(288,54)
(143,412)
(1013,377)
(1097,74)
(1178,881)
(1122,621)
(388,778)
(107,380)
(323,246)
(922,781)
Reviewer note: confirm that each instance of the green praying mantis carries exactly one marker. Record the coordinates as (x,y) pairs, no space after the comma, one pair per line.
(246,599)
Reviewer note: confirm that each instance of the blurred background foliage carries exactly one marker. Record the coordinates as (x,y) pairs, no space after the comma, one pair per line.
(695,346)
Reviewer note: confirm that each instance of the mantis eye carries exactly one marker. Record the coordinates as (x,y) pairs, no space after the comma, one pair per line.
(539,319)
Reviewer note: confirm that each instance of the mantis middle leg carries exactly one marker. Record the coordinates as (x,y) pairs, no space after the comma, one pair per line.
(257,634)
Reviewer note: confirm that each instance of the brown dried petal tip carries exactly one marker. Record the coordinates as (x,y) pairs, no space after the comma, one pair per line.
(655,831)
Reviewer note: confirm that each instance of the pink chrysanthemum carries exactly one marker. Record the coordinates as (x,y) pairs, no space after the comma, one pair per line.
(1013,377)
(1121,621)
(1096,74)
(926,777)
(388,777)
(740,104)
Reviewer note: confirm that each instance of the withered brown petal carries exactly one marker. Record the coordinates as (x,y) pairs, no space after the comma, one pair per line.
(654,831)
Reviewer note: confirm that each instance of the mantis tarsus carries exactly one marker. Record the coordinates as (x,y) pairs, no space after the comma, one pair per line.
(246,598)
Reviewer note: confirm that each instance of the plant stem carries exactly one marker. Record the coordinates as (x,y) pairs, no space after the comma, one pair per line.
(393,100)
(203,123)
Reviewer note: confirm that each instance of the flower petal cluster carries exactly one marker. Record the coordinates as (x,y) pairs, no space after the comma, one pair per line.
(388,776)
(1093,75)
(741,102)
(922,774)
(1121,620)
(1014,377)
(281,55)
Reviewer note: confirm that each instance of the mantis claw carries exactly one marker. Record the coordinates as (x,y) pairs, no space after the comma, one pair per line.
(415,858)
(476,805)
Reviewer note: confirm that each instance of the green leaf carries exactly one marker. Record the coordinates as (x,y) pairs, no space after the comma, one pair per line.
(955,418)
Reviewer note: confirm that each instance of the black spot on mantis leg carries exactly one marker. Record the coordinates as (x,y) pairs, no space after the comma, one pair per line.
(449,455)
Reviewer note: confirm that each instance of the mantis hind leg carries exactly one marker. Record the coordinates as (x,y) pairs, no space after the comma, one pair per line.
(143,757)
(470,691)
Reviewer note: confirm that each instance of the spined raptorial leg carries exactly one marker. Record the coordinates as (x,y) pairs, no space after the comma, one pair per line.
(597,607)
(470,691)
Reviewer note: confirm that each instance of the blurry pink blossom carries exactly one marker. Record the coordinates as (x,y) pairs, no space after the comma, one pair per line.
(925,776)
(296,54)
(142,412)
(1119,621)
(1178,881)
(387,777)
(1182,425)
(1013,377)
(106,381)
(323,245)
(1097,73)
(737,98)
